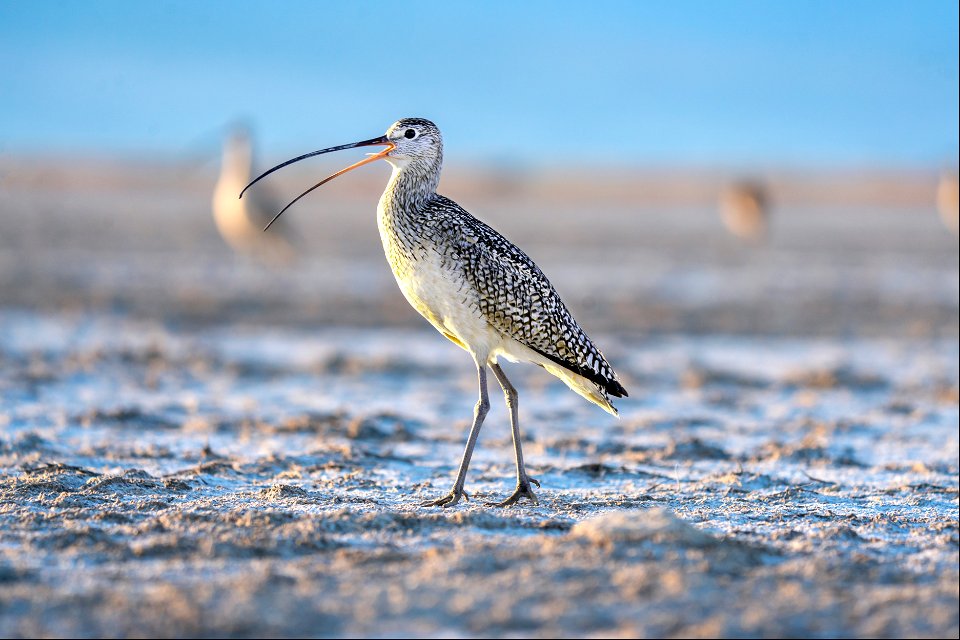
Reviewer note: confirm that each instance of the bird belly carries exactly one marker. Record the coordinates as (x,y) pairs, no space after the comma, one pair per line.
(447,301)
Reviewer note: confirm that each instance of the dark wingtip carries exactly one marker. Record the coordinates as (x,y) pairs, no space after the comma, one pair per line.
(614,388)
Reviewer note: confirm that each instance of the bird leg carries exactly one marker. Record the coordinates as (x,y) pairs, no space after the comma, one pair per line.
(523,490)
(479,413)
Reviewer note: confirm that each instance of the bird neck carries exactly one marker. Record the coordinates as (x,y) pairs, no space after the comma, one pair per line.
(411,185)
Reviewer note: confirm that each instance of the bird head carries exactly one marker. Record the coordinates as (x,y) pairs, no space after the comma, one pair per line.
(414,140)
(410,141)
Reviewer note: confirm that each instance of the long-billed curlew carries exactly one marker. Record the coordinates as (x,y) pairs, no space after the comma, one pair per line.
(475,286)
(240,221)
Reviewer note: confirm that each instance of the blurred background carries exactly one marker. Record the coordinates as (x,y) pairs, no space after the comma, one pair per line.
(207,430)
(746,167)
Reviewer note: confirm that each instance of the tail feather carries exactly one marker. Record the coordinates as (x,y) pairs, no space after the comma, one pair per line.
(582,385)
(607,385)
(589,390)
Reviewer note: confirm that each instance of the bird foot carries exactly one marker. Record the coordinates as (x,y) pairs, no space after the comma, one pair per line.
(523,490)
(448,500)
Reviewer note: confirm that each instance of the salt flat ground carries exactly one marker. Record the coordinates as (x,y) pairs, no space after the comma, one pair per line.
(193,444)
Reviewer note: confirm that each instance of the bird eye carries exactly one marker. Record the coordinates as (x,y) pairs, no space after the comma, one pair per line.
(410,133)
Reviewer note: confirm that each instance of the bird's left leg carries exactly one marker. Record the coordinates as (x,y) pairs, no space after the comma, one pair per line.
(523,490)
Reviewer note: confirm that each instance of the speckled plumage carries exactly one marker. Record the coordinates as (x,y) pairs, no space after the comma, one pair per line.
(495,281)
(475,286)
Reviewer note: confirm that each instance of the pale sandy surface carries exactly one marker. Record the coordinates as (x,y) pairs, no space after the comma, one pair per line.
(192,444)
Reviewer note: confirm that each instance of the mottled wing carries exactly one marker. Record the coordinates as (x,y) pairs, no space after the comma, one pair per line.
(517,299)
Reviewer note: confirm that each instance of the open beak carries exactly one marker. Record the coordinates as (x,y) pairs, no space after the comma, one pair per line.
(382,141)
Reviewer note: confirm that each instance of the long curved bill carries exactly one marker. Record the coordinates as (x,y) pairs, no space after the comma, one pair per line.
(382,140)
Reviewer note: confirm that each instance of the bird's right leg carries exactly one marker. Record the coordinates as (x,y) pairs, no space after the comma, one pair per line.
(523,489)
(479,413)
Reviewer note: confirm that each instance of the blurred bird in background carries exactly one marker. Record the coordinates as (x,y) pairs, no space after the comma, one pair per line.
(241,222)
(743,210)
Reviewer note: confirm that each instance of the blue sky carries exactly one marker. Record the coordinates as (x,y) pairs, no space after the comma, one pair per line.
(680,83)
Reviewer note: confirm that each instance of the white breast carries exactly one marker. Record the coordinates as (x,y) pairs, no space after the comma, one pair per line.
(442,296)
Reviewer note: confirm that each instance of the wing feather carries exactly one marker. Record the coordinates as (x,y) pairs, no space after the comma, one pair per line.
(518,300)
